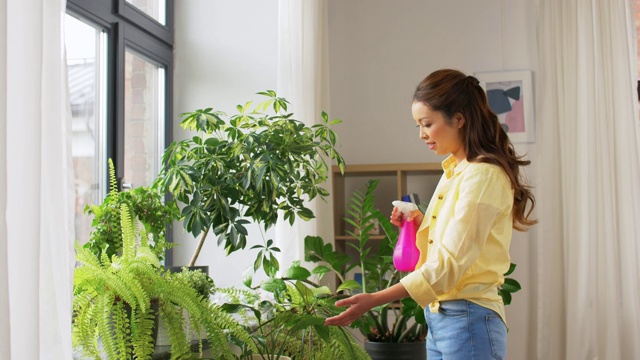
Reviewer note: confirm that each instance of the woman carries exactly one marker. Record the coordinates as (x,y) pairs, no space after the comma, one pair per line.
(465,234)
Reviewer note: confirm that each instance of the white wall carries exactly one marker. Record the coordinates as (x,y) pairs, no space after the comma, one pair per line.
(225,52)
(378,51)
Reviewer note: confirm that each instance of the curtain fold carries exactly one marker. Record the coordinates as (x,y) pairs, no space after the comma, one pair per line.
(37,179)
(302,79)
(588,258)
(5,348)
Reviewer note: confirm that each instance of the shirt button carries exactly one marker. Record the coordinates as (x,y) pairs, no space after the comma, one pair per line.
(433,216)
(430,241)
(440,197)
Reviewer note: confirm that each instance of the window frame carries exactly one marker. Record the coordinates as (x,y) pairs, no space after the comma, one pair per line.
(127,27)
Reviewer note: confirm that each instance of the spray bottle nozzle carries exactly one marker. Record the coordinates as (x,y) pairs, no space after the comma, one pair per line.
(405,207)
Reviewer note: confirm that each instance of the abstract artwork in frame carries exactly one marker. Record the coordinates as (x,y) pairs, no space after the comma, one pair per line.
(510,96)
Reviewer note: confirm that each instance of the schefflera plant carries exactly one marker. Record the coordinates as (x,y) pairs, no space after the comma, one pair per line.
(247,166)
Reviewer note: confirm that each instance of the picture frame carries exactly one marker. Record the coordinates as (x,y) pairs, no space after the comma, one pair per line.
(510,96)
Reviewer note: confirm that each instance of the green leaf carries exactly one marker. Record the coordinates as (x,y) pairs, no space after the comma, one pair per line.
(258,261)
(304,321)
(511,285)
(321,291)
(349,285)
(273,285)
(320,270)
(512,268)
(247,277)
(506,297)
(297,273)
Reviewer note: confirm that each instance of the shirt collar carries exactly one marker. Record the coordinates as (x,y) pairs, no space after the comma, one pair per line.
(451,166)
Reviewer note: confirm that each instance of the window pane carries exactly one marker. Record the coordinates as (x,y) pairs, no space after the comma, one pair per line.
(143,119)
(156,9)
(86,52)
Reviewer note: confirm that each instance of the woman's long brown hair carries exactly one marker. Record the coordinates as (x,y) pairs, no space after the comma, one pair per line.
(450,92)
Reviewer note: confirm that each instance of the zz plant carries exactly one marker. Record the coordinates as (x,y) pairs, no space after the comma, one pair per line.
(387,323)
(250,165)
(118,301)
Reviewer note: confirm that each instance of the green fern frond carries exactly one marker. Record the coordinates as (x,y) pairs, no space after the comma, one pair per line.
(148,256)
(128,233)
(180,347)
(122,329)
(142,333)
(106,329)
(113,183)
(144,238)
(86,256)
(128,289)
(84,331)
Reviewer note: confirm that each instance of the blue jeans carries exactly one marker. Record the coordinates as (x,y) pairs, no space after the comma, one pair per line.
(462,330)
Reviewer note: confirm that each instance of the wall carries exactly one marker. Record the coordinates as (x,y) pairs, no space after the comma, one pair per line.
(225,52)
(378,51)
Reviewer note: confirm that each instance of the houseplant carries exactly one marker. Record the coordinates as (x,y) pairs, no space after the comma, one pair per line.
(203,284)
(118,300)
(286,315)
(250,165)
(409,325)
(406,327)
(145,205)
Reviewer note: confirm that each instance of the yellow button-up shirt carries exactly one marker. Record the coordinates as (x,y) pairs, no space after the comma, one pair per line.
(464,238)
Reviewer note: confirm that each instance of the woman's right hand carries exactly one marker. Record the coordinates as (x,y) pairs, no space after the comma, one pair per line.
(358,305)
(396,217)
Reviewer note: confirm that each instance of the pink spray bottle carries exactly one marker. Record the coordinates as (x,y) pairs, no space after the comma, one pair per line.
(406,253)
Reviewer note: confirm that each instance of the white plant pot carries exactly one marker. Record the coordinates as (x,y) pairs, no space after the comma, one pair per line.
(269,357)
(163,332)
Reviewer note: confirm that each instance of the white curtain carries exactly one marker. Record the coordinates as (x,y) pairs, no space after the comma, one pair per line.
(589,196)
(36,207)
(302,80)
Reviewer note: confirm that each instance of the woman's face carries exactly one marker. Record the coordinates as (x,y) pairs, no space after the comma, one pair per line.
(441,137)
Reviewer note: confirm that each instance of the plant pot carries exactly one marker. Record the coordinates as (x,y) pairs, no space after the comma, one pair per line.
(162,337)
(175,269)
(396,351)
(269,357)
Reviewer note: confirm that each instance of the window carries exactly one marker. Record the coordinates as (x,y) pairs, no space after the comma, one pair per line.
(86,67)
(119,57)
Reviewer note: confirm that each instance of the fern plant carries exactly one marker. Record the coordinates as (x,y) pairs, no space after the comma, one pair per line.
(118,300)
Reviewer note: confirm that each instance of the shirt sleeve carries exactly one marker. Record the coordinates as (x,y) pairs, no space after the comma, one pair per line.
(482,196)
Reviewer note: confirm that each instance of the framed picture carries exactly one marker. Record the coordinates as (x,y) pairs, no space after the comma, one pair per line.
(510,96)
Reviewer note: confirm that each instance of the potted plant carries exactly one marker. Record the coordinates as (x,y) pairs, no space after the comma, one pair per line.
(285,316)
(250,165)
(118,300)
(145,204)
(204,286)
(404,336)
(400,329)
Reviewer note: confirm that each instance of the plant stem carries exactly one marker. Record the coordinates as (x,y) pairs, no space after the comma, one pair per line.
(196,253)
